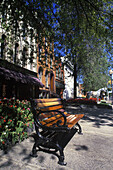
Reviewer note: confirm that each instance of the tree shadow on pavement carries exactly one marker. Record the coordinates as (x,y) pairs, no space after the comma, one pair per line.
(20,153)
(16,156)
(5,163)
(98,116)
(81,147)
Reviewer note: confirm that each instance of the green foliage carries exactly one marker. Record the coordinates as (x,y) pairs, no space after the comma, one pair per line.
(78,20)
(74,25)
(95,66)
(85,32)
(15,118)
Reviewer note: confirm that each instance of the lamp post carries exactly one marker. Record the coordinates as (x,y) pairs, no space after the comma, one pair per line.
(111,75)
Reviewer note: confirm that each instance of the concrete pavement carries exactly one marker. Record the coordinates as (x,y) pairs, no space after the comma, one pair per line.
(91,151)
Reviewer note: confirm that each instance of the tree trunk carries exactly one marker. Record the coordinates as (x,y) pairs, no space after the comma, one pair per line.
(75,81)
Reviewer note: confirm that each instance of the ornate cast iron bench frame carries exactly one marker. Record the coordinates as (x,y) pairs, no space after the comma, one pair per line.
(54,127)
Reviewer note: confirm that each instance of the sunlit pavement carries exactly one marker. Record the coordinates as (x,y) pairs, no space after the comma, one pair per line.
(91,151)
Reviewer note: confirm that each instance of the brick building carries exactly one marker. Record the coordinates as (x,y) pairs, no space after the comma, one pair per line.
(49,71)
(46,68)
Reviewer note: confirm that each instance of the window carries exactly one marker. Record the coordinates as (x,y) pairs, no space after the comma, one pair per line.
(24,31)
(16,52)
(56,72)
(45,41)
(46,78)
(31,34)
(51,59)
(50,46)
(40,52)
(46,57)
(40,73)
(3,44)
(24,56)
(59,72)
(31,59)
(62,76)
(52,81)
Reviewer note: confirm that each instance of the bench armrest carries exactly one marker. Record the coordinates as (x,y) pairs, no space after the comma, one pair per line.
(59,124)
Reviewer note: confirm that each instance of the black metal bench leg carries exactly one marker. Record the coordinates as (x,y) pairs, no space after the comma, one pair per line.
(34,152)
(80,129)
(61,157)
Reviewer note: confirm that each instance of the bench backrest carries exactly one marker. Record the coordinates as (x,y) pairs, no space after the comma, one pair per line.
(49,114)
(49,104)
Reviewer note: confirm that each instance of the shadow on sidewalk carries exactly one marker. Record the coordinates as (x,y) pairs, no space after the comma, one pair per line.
(99,116)
(16,155)
(19,155)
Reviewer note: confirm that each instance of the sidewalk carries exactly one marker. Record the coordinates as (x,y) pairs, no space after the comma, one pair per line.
(91,151)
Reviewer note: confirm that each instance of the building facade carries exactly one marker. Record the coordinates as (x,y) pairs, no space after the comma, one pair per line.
(68,78)
(46,68)
(18,59)
(49,71)
(27,62)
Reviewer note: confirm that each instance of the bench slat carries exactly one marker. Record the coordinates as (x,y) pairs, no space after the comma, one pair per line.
(47,100)
(52,120)
(51,108)
(72,122)
(49,103)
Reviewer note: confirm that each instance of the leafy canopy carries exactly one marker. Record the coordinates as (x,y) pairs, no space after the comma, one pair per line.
(83,29)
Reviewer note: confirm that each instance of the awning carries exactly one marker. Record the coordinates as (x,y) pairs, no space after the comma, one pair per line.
(19,77)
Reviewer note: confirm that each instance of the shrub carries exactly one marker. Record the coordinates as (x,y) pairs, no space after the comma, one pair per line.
(15,118)
(82,101)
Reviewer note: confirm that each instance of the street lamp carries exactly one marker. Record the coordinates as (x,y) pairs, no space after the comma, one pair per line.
(111,75)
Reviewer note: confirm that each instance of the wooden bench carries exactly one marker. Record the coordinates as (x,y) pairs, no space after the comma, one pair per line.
(54,127)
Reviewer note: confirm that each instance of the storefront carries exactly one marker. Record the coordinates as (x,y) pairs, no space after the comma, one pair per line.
(19,83)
